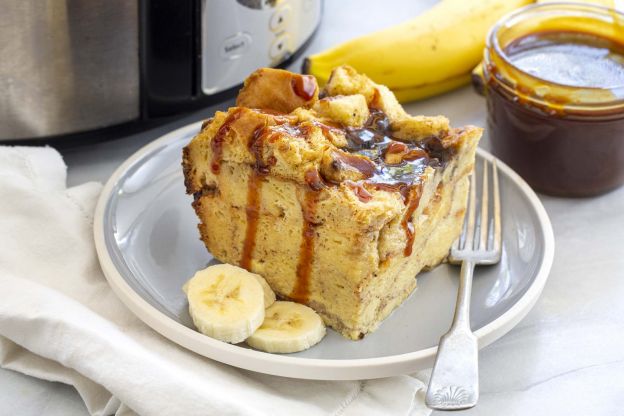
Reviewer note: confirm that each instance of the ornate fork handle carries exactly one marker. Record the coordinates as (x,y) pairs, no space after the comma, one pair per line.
(454,382)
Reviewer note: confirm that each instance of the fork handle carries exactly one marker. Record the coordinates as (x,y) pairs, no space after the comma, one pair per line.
(461,319)
(454,382)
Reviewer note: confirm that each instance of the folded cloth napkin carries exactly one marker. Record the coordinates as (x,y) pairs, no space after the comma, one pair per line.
(60,321)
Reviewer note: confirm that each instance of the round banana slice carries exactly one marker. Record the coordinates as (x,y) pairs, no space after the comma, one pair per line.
(269,295)
(288,327)
(226,302)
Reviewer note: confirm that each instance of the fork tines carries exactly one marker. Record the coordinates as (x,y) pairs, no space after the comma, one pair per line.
(480,240)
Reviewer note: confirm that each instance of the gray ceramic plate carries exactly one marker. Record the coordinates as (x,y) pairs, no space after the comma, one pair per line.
(148,245)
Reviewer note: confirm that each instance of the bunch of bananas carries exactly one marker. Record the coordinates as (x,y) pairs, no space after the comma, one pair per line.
(430,54)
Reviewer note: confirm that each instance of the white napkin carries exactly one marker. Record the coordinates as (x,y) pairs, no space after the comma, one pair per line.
(60,321)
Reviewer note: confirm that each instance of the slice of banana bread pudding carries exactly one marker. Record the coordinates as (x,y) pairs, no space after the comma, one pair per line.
(338,199)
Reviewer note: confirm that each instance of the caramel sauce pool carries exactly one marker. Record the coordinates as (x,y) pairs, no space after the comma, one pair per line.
(570,58)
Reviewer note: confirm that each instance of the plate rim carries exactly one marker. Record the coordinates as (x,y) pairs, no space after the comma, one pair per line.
(299,367)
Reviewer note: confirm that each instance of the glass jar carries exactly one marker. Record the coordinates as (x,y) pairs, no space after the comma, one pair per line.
(564,139)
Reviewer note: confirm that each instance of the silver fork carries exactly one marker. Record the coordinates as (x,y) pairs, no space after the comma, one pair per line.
(454,382)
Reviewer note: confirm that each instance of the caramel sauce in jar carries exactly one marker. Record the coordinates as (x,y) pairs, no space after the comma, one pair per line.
(554,86)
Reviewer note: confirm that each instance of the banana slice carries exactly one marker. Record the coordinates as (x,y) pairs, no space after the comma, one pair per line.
(288,327)
(226,302)
(269,295)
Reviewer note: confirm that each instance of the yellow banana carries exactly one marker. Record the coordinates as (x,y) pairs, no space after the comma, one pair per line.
(428,90)
(427,55)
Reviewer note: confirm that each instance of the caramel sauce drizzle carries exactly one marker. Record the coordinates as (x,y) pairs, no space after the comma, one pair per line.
(254,188)
(375,102)
(256,147)
(301,291)
(375,140)
(413,199)
(326,129)
(415,154)
(304,86)
(388,172)
(217,142)
(360,191)
(396,147)
(253,214)
(314,180)
(400,187)
(362,164)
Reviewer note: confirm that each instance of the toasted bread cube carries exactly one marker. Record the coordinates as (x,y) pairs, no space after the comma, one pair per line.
(349,110)
(278,90)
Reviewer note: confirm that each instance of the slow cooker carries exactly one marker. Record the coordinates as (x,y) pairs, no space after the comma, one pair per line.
(74,69)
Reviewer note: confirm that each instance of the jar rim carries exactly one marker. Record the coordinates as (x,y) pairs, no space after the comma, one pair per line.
(493,44)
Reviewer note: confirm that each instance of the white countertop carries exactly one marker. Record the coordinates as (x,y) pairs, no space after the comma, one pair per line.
(565,358)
